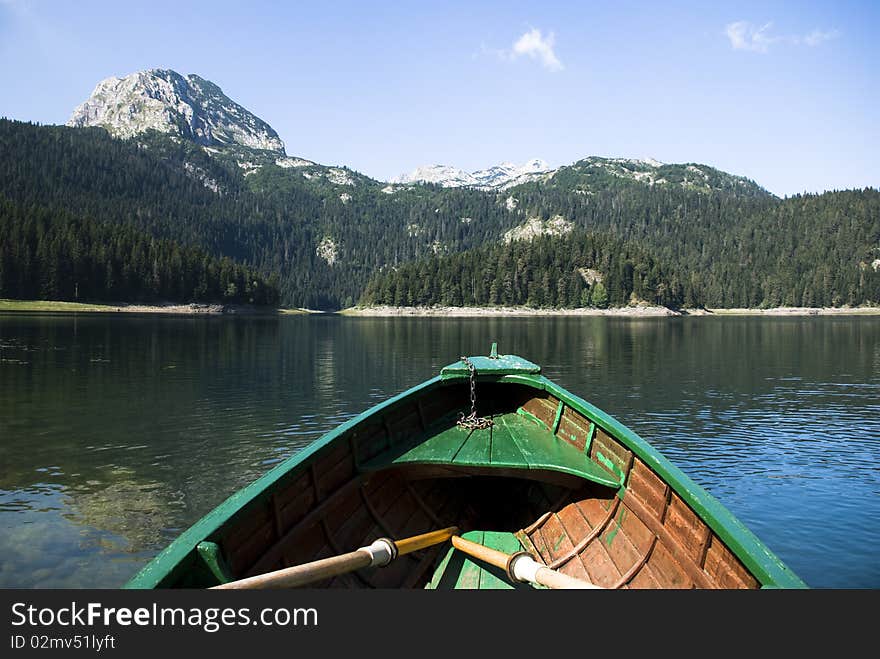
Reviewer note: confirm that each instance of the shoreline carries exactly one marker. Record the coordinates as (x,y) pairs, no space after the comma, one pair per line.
(631,312)
(465,312)
(193,308)
(798,311)
(636,311)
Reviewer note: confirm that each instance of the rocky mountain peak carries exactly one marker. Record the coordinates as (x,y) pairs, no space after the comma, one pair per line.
(188,106)
(501,176)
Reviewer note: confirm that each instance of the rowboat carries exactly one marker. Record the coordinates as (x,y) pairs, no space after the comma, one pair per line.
(486,476)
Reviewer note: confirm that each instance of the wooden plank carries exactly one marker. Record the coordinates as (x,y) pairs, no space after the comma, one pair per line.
(610,454)
(603,571)
(725,568)
(470,572)
(505,452)
(558,417)
(502,541)
(542,450)
(543,409)
(476,449)
(688,530)
(694,573)
(555,532)
(441,448)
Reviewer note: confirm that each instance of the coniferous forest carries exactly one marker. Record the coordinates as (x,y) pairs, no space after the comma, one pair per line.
(52,255)
(577,270)
(89,217)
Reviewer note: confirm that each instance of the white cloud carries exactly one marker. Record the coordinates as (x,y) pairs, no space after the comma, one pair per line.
(816,37)
(535,45)
(746,36)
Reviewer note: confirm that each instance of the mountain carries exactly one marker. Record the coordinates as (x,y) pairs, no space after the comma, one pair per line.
(497,177)
(197,111)
(585,176)
(594,173)
(189,107)
(174,159)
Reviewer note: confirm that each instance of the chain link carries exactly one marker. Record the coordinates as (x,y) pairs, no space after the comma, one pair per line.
(472,421)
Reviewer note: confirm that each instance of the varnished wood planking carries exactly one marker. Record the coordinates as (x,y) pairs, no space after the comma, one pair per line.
(543,408)
(594,510)
(605,449)
(369,441)
(404,424)
(667,571)
(335,470)
(628,541)
(648,488)
(245,542)
(680,555)
(615,553)
(573,428)
(574,527)
(725,568)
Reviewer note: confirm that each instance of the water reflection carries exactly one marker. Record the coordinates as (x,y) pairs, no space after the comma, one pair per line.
(118,432)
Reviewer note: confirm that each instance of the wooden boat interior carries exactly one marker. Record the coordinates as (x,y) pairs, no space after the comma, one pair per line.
(543,478)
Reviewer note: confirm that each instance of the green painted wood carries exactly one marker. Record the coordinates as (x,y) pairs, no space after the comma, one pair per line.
(543,450)
(764,565)
(531,417)
(503,365)
(470,573)
(443,567)
(179,562)
(590,435)
(457,570)
(516,442)
(502,541)
(476,449)
(559,409)
(209,552)
(505,452)
(440,449)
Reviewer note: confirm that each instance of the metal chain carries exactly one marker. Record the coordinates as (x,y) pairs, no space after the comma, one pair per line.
(472,421)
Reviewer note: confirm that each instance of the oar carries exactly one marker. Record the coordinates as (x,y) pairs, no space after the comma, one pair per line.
(379,554)
(520,566)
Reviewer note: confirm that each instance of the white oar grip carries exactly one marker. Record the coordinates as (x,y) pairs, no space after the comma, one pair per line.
(381,552)
(522,567)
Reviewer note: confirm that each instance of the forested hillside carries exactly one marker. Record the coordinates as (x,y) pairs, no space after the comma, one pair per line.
(734,251)
(49,254)
(721,240)
(577,270)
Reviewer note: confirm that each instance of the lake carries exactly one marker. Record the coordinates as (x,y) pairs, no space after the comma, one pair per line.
(119,431)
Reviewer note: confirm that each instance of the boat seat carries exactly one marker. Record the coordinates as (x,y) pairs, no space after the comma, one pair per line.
(514,441)
(457,570)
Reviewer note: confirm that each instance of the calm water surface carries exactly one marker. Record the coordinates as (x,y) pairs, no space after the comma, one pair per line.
(117,433)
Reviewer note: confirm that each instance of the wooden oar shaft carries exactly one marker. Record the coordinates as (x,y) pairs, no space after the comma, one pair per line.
(379,553)
(553,579)
(300,575)
(425,540)
(491,556)
(520,567)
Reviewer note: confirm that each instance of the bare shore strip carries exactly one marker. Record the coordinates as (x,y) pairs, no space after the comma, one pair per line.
(639,311)
(188,309)
(635,311)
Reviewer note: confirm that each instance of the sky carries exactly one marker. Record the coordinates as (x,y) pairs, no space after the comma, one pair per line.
(784,93)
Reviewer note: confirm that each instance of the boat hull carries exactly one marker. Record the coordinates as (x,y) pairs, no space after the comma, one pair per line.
(552,475)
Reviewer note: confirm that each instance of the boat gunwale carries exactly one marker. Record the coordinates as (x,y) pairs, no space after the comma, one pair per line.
(761,561)
(765,566)
(166,561)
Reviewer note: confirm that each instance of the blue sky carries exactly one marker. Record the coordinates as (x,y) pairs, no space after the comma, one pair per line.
(787,94)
